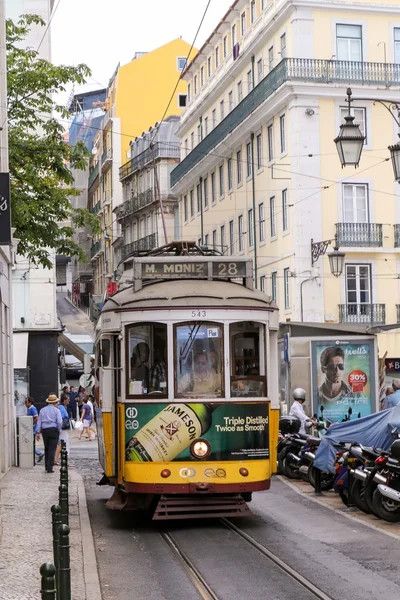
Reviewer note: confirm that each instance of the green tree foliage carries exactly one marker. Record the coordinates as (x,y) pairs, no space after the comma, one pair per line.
(40,160)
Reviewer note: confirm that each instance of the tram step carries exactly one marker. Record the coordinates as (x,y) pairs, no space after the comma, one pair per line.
(206,507)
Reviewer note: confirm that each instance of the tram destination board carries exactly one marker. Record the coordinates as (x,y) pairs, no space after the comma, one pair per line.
(194,270)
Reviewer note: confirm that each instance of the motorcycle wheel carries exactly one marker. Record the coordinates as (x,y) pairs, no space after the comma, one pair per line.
(344,496)
(386,509)
(290,472)
(281,466)
(358,493)
(327,479)
(368,497)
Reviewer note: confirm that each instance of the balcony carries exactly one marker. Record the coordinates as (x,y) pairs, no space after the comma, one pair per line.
(159,150)
(106,159)
(290,69)
(96,248)
(359,234)
(396,236)
(135,204)
(372,314)
(93,174)
(96,208)
(144,244)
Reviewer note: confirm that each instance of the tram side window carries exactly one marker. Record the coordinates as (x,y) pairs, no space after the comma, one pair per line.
(199,360)
(247,358)
(147,360)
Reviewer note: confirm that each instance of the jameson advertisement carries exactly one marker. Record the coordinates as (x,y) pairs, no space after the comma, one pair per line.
(343,377)
(164,432)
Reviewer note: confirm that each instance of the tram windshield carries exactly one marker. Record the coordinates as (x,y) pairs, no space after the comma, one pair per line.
(247,341)
(147,359)
(199,360)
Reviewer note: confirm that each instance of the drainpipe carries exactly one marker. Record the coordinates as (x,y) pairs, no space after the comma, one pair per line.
(201,210)
(253,177)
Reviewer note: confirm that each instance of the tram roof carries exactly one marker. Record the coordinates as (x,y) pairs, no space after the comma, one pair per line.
(189,292)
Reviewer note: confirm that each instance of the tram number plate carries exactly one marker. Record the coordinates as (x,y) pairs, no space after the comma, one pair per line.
(229,269)
(199,314)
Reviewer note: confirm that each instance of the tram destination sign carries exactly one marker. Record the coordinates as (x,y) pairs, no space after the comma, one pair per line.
(194,270)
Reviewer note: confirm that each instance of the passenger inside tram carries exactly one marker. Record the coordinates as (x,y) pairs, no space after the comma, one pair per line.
(203,379)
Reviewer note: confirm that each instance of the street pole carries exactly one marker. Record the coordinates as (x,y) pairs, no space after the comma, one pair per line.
(253,179)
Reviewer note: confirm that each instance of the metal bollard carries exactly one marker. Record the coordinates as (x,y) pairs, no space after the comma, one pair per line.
(56,522)
(64,476)
(317,482)
(64,458)
(64,573)
(63,502)
(48,583)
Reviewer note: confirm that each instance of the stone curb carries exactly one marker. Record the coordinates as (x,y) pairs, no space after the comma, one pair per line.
(76,308)
(90,572)
(341,511)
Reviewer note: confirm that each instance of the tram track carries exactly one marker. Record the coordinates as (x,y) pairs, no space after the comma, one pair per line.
(206,592)
(308,585)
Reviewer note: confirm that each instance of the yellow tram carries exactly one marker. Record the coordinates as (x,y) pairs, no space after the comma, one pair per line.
(187,368)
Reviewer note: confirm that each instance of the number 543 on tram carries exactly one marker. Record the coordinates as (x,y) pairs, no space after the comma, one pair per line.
(187,369)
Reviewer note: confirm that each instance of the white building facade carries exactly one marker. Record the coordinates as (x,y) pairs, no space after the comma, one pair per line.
(259,171)
(7,420)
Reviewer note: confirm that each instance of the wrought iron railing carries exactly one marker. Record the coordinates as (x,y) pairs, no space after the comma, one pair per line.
(97,246)
(359,234)
(142,245)
(396,236)
(135,204)
(374,314)
(96,208)
(158,150)
(290,69)
(93,174)
(107,155)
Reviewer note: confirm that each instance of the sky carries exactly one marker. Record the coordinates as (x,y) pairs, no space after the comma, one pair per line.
(102,33)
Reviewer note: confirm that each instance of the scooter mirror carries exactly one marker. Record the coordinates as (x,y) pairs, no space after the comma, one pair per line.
(350,411)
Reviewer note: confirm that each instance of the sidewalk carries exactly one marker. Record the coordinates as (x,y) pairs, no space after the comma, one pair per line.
(26,496)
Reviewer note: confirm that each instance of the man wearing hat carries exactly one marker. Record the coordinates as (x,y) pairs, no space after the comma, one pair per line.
(49,425)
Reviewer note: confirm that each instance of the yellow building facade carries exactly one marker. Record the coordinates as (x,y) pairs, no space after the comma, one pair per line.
(259,171)
(139,94)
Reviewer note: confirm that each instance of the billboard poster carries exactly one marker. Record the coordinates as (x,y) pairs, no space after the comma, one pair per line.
(343,376)
(164,432)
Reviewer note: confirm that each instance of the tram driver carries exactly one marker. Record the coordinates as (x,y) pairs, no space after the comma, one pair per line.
(203,379)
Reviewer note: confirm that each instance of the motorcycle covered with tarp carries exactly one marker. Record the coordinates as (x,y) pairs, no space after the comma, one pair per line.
(374,430)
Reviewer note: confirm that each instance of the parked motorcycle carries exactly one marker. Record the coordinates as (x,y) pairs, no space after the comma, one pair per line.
(386,497)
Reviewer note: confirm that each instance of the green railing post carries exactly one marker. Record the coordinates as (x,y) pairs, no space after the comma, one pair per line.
(48,582)
(63,502)
(64,573)
(56,522)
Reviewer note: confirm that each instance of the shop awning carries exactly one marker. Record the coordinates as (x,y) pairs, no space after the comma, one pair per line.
(71,347)
(20,349)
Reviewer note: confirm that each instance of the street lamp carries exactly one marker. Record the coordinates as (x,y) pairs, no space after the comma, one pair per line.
(336,258)
(350,141)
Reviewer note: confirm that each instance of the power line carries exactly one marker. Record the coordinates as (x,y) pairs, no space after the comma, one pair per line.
(180,75)
(48,25)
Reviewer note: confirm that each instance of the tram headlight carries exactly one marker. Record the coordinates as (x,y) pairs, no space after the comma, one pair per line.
(200,449)
(165,473)
(244,472)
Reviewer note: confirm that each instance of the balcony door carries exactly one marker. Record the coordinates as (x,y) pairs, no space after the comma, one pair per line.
(349,42)
(358,293)
(355,203)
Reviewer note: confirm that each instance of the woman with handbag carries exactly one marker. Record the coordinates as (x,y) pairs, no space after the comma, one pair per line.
(62,407)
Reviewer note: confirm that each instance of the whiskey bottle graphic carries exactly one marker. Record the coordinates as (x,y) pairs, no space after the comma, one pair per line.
(169,433)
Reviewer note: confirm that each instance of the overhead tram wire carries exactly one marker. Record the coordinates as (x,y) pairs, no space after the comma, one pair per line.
(48,25)
(180,74)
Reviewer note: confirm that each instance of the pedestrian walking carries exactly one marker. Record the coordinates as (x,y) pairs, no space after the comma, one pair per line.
(81,395)
(87,419)
(73,403)
(64,436)
(49,424)
(32,412)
